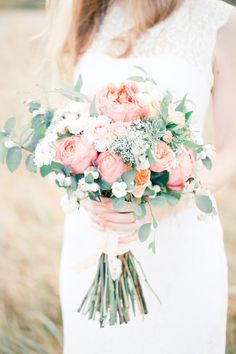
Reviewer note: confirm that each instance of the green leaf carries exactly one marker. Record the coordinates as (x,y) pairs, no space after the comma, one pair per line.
(181,106)
(150,156)
(137,209)
(41,130)
(140,69)
(30,165)
(74,184)
(149,192)
(93,196)
(159,200)
(172,198)
(160,178)
(104,186)
(207,163)
(45,170)
(32,143)
(204,203)
(118,203)
(9,125)
(79,84)
(2,135)
(152,246)
(93,109)
(136,78)
(188,115)
(3,153)
(165,105)
(89,178)
(73,95)
(144,231)
(128,176)
(13,158)
(34,105)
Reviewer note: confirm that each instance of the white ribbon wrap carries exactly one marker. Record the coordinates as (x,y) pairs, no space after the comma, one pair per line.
(106,243)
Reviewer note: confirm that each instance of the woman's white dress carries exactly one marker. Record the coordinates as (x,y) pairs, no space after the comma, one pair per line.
(189,271)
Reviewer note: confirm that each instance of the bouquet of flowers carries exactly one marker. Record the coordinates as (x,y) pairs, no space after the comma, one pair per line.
(131,144)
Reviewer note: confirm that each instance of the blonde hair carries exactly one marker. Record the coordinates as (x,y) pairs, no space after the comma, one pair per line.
(74,23)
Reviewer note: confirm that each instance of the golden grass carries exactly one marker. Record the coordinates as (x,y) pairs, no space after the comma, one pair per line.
(31,222)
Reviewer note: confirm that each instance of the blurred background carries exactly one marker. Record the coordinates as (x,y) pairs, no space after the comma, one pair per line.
(31,221)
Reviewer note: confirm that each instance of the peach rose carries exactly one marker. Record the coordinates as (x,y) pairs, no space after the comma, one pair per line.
(120,103)
(110,166)
(98,129)
(119,129)
(76,152)
(182,172)
(142,178)
(164,157)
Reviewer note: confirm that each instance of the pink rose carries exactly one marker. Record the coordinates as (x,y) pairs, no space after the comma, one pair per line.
(119,129)
(164,157)
(120,103)
(110,166)
(76,152)
(182,172)
(98,129)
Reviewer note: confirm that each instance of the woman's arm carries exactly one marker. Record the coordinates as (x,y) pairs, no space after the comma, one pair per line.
(224,108)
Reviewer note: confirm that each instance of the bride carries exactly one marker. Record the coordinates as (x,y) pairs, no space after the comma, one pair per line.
(188,46)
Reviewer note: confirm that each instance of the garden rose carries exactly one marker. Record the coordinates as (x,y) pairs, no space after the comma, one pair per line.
(119,129)
(98,129)
(76,152)
(182,172)
(110,166)
(164,157)
(142,179)
(120,103)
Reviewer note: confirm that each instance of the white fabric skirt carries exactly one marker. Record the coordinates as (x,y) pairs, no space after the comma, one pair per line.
(189,273)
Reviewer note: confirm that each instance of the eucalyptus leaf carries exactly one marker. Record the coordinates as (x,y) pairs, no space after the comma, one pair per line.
(13,158)
(188,115)
(3,153)
(93,109)
(34,105)
(137,209)
(9,125)
(204,203)
(160,178)
(144,231)
(129,176)
(2,134)
(89,178)
(152,247)
(164,107)
(207,163)
(182,105)
(159,200)
(118,203)
(172,198)
(150,156)
(140,69)
(30,165)
(104,186)
(136,78)
(79,84)
(45,170)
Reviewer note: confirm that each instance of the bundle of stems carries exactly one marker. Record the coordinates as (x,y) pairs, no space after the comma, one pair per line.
(115,302)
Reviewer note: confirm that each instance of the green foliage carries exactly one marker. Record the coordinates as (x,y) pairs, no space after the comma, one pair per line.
(204,203)
(144,231)
(13,158)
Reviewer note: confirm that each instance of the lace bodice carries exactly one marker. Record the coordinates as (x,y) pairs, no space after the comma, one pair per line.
(178,51)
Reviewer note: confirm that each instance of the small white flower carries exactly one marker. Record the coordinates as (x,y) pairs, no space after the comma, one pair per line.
(43,155)
(9,144)
(202,155)
(77,126)
(93,187)
(210,151)
(157,189)
(77,107)
(80,194)
(119,189)
(93,171)
(69,204)
(63,180)
(41,110)
(52,177)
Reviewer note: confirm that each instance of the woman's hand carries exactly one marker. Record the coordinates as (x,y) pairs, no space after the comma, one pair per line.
(104,218)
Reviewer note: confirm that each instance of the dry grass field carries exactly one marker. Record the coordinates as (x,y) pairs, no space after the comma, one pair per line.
(31,222)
